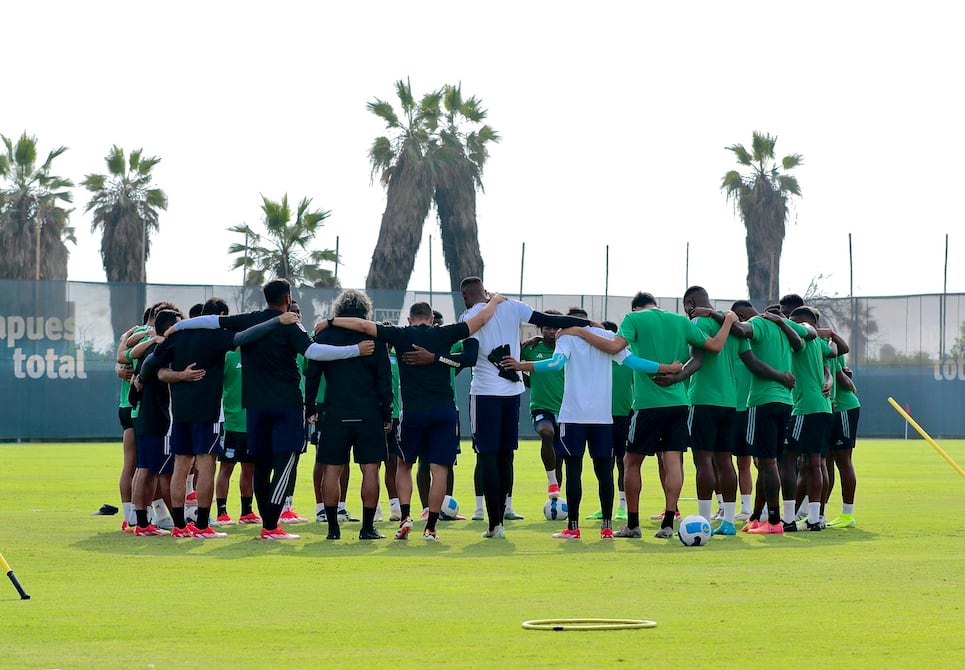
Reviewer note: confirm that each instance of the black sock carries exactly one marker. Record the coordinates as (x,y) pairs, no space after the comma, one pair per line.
(246,502)
(668,517)
(204,516)
(368,518)
(141,515)
(633,519)
(177,513)
(404,510)
(773,516)
(331,513)
(431,522)
(222,506)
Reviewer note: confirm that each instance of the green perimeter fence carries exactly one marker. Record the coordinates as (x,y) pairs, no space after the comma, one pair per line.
(58,338)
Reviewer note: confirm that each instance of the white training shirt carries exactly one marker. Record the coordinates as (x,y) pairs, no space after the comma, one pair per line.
(589,379)
(503,328)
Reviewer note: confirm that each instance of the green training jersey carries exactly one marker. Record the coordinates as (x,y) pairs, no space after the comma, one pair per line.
(744,377)
(235,416)
(844,399)
(715,383)
(808,365)
(769,343)
(126,385)
(396,402)
(663,337)
(622,391)
(456,349)
(545,388)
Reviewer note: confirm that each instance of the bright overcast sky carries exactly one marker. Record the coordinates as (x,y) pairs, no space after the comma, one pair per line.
(614,119)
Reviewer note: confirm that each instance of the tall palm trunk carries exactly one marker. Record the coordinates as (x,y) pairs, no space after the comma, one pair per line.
(122,256)
(764,210)
(455,198)
(408,198)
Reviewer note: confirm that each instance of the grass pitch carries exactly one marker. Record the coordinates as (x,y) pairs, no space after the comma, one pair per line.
(887,594)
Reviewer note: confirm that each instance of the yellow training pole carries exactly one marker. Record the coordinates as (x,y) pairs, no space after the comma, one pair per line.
(925,435)
(13,578)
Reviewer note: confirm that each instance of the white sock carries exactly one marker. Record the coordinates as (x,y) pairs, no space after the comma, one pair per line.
(129,513)
(803,507)
(814,512)
(622,497)
(847,509)
(821,519)
(705,508)
(730,508)
(189,485)
(720,500)
(551,478)
(746,505)
(341,507)
(479,502)
(319,508)
(394,504)
(288,504)
(509,502)
(788,511)
(161,512)
(764,511)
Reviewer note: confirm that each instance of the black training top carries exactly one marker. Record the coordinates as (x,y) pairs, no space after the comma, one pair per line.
(153,402)
(355,388)
(272,378)
(424,387)
(200,401)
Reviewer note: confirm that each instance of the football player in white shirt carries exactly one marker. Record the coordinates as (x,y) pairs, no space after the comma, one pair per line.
(585,417)
(494,393)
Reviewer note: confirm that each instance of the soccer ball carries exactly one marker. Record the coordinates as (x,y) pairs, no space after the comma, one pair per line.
(450,508)
(555,509)
(694,531)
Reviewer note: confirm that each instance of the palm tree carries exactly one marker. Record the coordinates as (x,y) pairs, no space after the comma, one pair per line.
(462,153)
(34,226)
(762,197)
(405,165)
(283,249)
(125,208)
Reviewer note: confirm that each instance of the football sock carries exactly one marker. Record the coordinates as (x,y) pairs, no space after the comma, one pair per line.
(509,502)
(480,502)
(814,511)
(368,518)
(773,517)
(404,509)
(288,503)
(129,513)
(319,508)
(204,516)
(177,513)
(341,506)
(189,485)
(720,500)
(623,500)
(140,515)
(393,503)
(332,514)
(633,519)
(246,502)
(705,508)
(668,517)
(431,522)
(222,506)
(551,477)
(847,508)
(160,510)
(730,509)
(746,504)
(789,506)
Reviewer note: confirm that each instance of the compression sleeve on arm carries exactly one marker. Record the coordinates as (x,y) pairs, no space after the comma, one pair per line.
(541,320)
(641,364)
(330,352)
(207,322)
(256,332)
(551,364)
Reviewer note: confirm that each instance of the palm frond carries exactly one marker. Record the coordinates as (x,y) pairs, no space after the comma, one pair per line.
(792,161)
(788,184)
(384,111)
(742,155)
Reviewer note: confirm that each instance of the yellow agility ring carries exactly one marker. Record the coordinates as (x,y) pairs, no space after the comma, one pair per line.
(587,624)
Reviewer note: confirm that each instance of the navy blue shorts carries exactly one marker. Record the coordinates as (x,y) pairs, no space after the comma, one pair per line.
(124,416)
(659,429)
(276,430)
(494,420)
(712,428)
(574,438)
(766,427)
(154,454)
(808,433)
(195,439)
(432,435)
